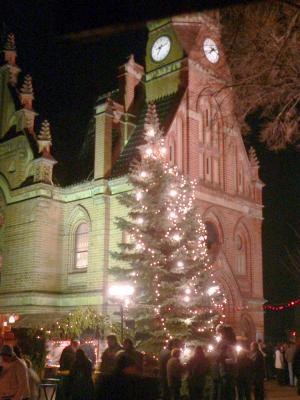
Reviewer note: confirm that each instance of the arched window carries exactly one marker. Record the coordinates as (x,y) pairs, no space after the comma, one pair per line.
(241,255)
(81,245)
(213,241)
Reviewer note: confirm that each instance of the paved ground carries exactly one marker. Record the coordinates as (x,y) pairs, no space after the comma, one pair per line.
(273,391)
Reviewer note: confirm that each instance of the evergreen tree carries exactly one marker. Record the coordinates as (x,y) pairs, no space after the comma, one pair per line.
(166,255)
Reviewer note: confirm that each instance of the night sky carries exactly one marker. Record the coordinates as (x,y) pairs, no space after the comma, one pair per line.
(68,76)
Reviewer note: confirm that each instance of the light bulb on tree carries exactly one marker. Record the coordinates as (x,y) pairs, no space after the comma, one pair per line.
(176,237)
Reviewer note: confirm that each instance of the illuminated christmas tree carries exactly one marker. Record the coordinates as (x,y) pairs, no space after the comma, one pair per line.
(166,254)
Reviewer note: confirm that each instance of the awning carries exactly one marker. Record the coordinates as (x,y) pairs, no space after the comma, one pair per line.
(38,321)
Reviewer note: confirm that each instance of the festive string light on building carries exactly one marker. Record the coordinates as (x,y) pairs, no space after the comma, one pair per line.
(282,307)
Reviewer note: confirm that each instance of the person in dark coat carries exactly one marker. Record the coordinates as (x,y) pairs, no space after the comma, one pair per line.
(81,382)
(131,352)
(66,362)
(122,384)
(296,366)
(244,375)
(224,365)
(258,368)
(108,359)
(197,368)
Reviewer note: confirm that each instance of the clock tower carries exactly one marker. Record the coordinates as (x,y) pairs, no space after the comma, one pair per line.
(185,61)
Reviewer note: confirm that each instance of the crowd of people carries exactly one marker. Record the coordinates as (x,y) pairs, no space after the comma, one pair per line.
(226,372)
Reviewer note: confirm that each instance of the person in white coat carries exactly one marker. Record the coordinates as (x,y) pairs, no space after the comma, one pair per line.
(279,365)
(14,384)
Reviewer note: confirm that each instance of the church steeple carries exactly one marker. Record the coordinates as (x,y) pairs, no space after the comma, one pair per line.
(26,116)
(44,164)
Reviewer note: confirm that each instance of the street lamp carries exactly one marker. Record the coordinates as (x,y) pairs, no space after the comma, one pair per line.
(121,292)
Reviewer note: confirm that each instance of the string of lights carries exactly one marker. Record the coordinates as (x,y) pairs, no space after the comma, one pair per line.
(282,307)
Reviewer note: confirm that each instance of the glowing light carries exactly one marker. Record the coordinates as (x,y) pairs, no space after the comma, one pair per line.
(143,174)
(176,237)
(210,347)
(138,196)
(163,150)
(186,299)
(188,291)
(212,290)
(173,193)
(150,132)
(11,319)
(173,214)
(140,220)
(149,151)
(238,348)
(121,291)
(5,323)
(218,338)
(180,264)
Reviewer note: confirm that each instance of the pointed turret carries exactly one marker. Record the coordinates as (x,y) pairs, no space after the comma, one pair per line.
(26,116)
(10,55)
(44,139)
(44,164)
(254,163)
(26,93)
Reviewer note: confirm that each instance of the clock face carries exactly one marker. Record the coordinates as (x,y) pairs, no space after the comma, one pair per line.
(211,50)
(161,48)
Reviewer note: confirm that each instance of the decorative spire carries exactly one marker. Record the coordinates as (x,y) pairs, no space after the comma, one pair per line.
(27,88)
(151,119)
(253,157)
(44,138)
(10,56)
(10,44)
(26,93)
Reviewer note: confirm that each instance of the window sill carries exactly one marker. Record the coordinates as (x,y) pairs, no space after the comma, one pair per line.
(78,271)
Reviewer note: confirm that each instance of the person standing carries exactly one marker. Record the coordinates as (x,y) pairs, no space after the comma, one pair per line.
(81,382)
(258,368)
(130,352)
(164,357)
(197,368)
(66,362)
(34,381)
(289,356)
(279,365)
(14,384)
(225,365)
(108,359)
(296,366)
(244,375)
(174,374)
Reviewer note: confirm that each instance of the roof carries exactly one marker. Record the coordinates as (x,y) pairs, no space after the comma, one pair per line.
(166,108)
(39,320)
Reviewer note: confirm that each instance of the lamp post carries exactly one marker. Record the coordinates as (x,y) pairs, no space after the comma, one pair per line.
(121,292)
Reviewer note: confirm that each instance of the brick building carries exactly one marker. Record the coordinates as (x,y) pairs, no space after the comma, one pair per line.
(55,242)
